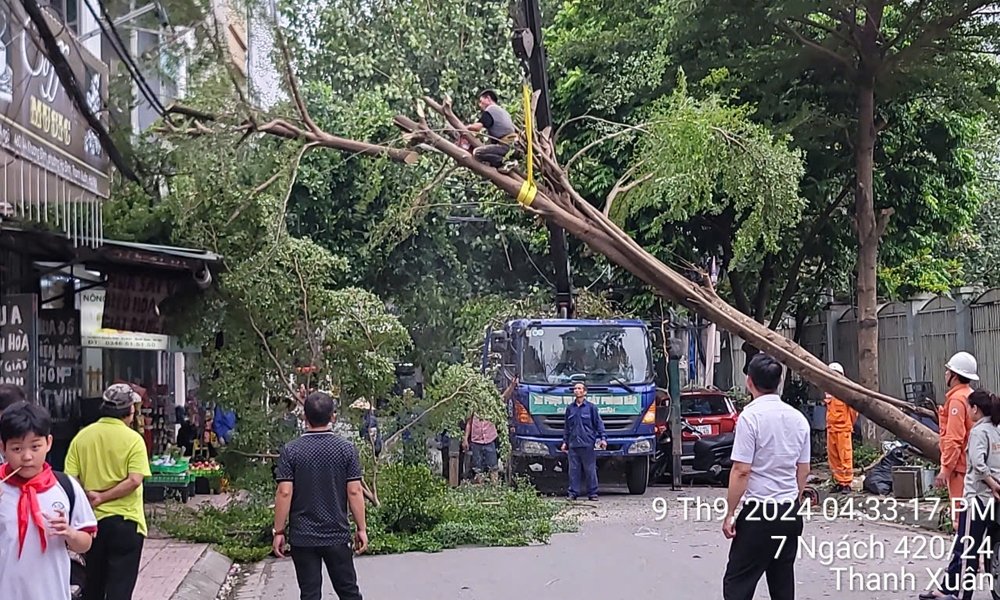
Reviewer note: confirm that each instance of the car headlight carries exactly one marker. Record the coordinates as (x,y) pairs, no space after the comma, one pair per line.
(537,448)
(640,447)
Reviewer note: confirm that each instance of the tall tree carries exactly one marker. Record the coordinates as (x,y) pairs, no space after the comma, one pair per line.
(870,59)
(612,61)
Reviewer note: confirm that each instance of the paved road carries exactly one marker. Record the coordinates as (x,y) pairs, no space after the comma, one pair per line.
(621,551)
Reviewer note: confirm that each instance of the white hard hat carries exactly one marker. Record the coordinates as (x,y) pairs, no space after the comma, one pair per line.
(964,365)
(837,367)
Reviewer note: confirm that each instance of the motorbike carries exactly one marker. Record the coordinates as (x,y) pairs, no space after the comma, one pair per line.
(707,459)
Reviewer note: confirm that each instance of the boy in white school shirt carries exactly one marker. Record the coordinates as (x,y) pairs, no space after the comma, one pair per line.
(37,526)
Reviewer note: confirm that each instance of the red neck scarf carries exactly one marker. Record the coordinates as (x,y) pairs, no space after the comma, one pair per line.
(27,506)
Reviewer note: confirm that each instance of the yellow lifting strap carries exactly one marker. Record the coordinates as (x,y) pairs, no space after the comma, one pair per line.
(528,190)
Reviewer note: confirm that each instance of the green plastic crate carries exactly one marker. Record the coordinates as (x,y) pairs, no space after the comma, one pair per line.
(181,467)
(170,478)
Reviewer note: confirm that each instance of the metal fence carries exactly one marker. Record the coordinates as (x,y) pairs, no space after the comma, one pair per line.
(985,319)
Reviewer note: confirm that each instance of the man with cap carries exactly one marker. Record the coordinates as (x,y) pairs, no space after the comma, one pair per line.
(955,424)
(840,420)
(109,459)
(499,127)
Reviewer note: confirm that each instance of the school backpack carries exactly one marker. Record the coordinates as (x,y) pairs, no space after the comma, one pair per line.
(77,566)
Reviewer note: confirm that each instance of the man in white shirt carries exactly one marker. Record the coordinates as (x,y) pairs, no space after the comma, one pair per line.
(770,467)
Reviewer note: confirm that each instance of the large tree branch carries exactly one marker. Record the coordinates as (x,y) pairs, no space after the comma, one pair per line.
(284,129)
(816,46)
(559,203)
(934,32)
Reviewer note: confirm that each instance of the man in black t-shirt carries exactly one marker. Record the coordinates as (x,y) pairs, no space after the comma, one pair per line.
(319,480)
(499,127)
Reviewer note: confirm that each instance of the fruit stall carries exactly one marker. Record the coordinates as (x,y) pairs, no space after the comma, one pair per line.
(175,476)
(171,476)
(207,476)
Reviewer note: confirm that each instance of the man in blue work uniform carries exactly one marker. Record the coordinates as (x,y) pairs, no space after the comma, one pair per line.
(583,431)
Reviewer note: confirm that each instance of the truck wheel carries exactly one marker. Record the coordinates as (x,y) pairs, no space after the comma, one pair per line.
(638,476)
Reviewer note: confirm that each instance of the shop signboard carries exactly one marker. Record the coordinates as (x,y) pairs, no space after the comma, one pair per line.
(132,303)
(19,341)
(39,122)
(95,335)
(55,169)
(59,363)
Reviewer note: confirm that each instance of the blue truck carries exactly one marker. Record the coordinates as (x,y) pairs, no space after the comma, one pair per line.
(548,357)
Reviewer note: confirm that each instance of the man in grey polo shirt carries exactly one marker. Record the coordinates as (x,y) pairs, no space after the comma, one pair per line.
(499,127)
(770,467)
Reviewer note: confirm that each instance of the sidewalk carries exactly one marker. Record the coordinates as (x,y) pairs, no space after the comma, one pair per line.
(172,570)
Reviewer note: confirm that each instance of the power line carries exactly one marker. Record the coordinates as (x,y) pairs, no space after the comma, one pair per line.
(67,78)
(120,49)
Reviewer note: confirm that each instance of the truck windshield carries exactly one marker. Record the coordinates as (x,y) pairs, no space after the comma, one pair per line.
(595,354)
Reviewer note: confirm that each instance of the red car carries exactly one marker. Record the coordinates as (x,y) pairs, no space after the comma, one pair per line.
(709,412)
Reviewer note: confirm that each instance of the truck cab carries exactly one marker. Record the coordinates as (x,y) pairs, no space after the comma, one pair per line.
(548,357)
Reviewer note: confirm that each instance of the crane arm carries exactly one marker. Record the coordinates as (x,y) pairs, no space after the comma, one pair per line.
(529,48)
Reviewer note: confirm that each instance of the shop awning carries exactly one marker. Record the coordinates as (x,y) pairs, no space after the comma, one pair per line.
(111,256)
(141,280)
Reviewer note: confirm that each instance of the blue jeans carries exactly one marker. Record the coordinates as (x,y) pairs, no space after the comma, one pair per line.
(967,550)
(484,457)
(583,464)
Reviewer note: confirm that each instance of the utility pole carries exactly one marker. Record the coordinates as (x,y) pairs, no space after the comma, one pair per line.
(675,351)
(528,47)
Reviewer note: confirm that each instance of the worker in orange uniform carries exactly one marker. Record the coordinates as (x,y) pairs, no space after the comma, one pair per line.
(955,424)
(840,420)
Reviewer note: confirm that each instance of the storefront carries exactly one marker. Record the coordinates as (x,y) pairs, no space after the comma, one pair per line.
(64,328)
(77,311)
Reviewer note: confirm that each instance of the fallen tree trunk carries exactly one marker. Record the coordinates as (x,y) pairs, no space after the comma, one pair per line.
(556,200)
